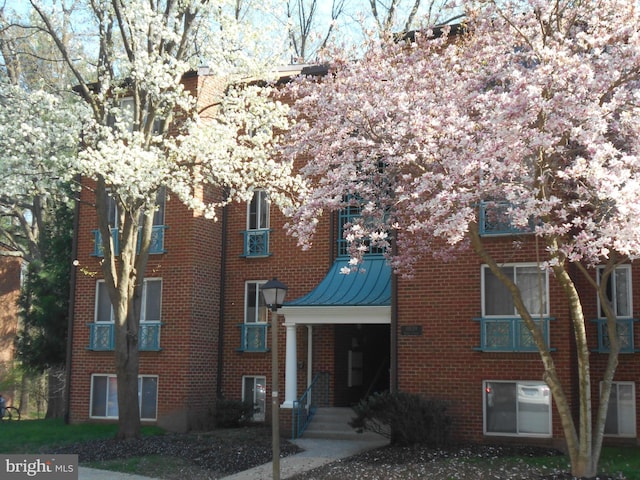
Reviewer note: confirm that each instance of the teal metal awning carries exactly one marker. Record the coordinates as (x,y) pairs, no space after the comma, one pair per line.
(370,285)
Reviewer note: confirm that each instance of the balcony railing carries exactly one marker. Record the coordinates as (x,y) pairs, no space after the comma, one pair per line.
(256,243)
(624,326)
(253,337)
(157,241)
(494,219)
(509,334)
(102,336)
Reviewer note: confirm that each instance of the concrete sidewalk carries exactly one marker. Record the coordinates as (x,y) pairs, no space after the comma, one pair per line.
(85,473)
(317,452)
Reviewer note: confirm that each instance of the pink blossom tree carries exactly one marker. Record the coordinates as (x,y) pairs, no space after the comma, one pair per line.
(535,104)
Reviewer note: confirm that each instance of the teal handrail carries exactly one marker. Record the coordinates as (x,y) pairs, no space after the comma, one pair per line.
(305,407)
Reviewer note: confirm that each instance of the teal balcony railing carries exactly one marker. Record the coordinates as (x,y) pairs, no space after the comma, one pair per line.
(509,334)
(253,337)
(157,241)
(494,219)
(256,243)
(624,327)
(102,336)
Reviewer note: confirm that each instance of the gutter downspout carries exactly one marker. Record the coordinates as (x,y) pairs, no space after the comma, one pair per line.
(221,311)
(393,334)
(72,296)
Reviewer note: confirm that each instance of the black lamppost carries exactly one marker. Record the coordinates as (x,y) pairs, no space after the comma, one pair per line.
(274,292)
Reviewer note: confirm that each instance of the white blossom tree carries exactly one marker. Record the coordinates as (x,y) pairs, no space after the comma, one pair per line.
(39,140)
(146,132)
(535,104)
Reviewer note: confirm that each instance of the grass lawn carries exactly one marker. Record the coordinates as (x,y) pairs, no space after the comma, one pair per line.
(29,436)
(624,460)
(33,436)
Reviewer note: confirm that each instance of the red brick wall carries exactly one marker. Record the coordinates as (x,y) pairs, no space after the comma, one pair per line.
(441,363)
(9,292)
(187,363)
(299,270)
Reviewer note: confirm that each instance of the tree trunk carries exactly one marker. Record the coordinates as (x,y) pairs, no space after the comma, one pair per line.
(128,409)
(127,356)
(24,394)
(583,462)
(56,389)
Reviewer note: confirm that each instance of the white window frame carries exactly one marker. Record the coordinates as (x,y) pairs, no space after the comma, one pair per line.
(263,209)
(486,385)
(143,307)
(260,415)
(114,395)
(102,286)
(158,214)
(627,420)
(614,290)
(515,266)
(259,303)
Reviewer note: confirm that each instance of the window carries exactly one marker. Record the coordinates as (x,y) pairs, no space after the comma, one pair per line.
(533,285)
(347,217)
(501,326)
(618,291)
(158,215)
(254,329)
(494,219)
(113,219)
(517,408)
(124,114)
(102,330)
(256,236)
(258,211)
(151,301)
(255,308)
(621,416)
(104,396)
(254,390)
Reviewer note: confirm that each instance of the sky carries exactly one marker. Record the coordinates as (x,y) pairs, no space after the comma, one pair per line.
(348,30)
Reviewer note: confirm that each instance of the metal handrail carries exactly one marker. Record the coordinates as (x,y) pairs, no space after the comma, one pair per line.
(305,407)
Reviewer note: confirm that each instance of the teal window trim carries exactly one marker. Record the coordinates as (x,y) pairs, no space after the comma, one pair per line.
(149,336)
(253,337)
(509,334)
(156,247)
(256,243)
(625,335)
(102,336)
(493,220)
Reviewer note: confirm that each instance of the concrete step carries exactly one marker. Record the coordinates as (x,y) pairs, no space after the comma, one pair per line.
(333,423)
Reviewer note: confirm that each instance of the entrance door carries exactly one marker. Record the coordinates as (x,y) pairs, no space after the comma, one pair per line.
(361,362)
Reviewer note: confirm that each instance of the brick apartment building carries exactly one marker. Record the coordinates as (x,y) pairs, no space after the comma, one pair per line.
(450,332)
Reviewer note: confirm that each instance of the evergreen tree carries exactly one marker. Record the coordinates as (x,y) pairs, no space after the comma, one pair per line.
(44,303)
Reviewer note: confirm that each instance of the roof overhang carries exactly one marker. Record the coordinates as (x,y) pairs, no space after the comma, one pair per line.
(336,315)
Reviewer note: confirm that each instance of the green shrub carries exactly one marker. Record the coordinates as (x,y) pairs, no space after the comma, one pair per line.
(232,413)
(404,418)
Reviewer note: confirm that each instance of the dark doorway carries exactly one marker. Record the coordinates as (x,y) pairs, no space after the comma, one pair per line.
(362,362)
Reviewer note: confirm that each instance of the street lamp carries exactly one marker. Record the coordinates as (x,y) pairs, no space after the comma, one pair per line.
(274,292)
